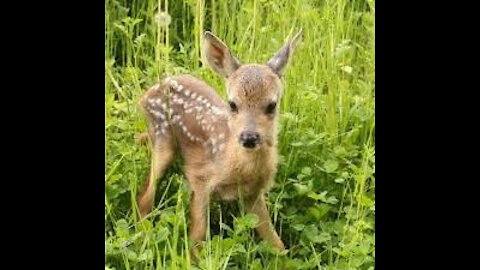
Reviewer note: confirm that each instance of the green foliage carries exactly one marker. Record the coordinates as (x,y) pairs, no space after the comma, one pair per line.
(323,200)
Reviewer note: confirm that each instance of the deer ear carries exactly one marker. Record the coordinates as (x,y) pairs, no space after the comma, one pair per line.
(219,57)
(280,60)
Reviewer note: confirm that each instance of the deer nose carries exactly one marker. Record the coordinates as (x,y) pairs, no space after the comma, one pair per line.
(249,139)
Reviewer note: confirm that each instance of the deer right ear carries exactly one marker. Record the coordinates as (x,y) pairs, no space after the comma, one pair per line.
(279,61)
(219,57)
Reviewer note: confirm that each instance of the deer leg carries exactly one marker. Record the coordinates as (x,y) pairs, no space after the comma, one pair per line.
(198,216)
(257,205)
(162,156)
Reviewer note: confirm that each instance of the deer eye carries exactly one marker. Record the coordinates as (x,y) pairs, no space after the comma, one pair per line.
(233,106)
(271,108)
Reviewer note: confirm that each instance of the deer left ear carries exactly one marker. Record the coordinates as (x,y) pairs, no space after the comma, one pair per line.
(219,56)
(280,60)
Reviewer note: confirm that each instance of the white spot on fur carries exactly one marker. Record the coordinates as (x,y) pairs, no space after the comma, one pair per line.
(175,118)
(194,94)
(187,92)
(221,136)
(214,110)
(178,101)
(151,101)
(173,83)
(190,136)
(157,114)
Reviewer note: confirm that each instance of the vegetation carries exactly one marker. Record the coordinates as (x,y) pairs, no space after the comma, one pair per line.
(323,200)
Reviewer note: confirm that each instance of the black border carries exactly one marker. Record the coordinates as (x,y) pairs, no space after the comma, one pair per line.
(53,184)
(423,216)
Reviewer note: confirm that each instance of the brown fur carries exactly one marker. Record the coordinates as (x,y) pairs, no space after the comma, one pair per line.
(206,134)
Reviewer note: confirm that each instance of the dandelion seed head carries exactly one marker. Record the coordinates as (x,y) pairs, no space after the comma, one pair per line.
(163,18)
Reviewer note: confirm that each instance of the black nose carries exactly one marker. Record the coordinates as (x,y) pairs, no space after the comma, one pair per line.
(249,139)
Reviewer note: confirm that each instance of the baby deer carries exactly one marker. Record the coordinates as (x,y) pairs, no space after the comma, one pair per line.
(228,148)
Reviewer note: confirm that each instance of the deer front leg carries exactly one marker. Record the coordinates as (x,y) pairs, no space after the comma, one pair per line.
(257,205)
(198,211)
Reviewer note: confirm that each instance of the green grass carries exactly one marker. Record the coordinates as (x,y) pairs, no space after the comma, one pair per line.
(323,200)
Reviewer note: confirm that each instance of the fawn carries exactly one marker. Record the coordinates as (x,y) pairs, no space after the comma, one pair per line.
(228,149)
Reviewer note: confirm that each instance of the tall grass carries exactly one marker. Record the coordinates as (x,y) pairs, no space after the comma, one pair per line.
(323,201)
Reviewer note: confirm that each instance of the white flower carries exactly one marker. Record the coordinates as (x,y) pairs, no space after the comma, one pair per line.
(163,18)
(347,69)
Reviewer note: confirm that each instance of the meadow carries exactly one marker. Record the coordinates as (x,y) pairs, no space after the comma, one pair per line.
(323,200)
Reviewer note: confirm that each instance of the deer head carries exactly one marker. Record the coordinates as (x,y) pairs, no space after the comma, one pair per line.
(254,91)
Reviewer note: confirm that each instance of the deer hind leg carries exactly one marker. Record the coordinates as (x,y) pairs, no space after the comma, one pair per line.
(257,205)
(161,157)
